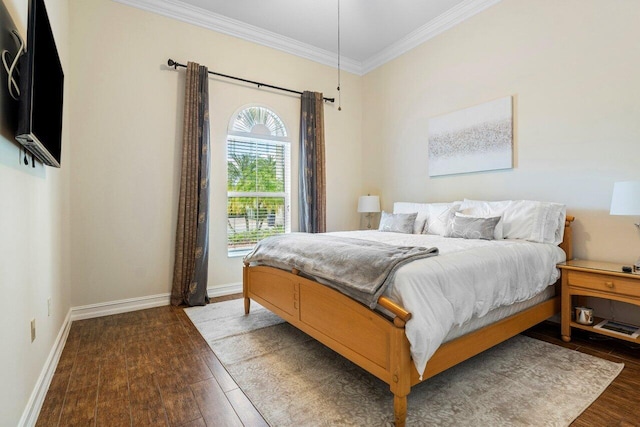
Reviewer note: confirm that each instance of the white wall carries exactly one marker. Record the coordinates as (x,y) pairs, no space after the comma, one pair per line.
(34,207)
(573,68)
(126,160)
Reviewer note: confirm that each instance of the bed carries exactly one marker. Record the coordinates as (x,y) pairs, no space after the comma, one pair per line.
(376,340)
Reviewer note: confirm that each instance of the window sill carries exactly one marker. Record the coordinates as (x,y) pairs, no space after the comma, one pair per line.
(238,254)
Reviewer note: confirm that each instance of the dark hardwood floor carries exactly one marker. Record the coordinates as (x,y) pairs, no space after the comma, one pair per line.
(143,368)
(152,367)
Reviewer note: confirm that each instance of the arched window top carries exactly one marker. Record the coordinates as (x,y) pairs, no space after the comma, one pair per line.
(258,178)
(257,120)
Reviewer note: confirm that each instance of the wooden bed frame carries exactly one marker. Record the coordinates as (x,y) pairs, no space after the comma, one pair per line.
(371,340)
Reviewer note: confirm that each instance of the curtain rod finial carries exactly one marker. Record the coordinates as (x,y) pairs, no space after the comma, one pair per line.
(172,63)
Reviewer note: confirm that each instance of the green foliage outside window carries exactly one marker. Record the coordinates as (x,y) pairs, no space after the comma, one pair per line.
(249,174)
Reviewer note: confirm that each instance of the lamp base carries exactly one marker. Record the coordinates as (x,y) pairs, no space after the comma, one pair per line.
(368,221)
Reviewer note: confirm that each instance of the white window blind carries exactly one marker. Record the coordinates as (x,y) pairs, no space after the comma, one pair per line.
(258,181)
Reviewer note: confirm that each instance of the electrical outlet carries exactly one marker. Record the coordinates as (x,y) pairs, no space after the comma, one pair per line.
(48,307)
(33,329)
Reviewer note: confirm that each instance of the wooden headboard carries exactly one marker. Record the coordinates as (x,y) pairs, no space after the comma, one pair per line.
(567,241)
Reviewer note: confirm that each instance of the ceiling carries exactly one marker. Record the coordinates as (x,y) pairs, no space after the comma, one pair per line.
(372,32)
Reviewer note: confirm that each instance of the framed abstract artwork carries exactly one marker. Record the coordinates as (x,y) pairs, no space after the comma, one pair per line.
(478,138)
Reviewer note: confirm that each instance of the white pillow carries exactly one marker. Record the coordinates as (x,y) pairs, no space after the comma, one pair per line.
(439,217)
(432,218)
(420,208)
(541,222)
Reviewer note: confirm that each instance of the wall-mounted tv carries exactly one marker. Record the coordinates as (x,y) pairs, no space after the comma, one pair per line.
(41,90)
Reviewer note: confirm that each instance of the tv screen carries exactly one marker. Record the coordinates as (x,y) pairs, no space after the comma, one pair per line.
(41,90)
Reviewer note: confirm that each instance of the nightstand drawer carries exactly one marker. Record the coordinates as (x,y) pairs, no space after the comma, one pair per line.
(605,283)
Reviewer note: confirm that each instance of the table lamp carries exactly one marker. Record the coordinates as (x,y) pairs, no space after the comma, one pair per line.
(626,201)
(369,204)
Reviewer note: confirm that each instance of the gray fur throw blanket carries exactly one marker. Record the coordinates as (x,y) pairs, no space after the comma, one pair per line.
(361,269)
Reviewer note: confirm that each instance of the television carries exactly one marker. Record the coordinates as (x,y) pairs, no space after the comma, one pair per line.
(41,90)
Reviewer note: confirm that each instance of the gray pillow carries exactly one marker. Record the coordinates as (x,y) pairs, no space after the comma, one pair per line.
(468,227)
(397,223)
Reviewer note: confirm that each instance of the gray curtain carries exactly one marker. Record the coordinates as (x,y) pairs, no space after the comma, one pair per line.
(192,234)
(312,187)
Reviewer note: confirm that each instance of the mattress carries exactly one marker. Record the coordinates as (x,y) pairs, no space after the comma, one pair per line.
(498,314)
(469,281)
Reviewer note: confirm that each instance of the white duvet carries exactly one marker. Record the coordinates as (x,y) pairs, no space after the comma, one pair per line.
(466,280)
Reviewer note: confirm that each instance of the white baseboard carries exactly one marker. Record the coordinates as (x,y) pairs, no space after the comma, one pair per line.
(222,290)
(140,303)
(120,306)
(34,405)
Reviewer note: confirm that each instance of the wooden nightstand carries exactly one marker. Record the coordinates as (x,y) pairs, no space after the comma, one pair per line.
(596,279)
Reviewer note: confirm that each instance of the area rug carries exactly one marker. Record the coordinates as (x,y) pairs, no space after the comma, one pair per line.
(295,381)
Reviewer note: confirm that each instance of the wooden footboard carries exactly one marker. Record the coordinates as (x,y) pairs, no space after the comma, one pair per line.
(369,339)
(346,326)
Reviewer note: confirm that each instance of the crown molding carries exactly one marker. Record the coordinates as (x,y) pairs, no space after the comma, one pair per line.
(203,18)
(176,9)
(436,26)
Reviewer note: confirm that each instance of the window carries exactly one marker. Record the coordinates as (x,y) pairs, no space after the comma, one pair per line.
(258,179)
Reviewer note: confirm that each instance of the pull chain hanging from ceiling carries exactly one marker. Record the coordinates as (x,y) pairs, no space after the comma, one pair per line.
(339,93)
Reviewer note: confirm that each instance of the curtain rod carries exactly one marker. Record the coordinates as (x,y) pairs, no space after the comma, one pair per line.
(175,65)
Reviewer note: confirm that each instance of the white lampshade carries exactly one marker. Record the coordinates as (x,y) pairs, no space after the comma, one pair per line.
(626,198)
(369,204)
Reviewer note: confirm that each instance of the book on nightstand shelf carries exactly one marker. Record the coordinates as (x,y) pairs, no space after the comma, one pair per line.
(625,329)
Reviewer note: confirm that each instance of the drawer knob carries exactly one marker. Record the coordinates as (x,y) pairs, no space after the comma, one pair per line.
(608,284)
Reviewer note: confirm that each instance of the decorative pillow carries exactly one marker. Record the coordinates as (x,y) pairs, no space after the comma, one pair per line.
(421,208)
(481,209)
(440,215)
(397,223)
(468,227)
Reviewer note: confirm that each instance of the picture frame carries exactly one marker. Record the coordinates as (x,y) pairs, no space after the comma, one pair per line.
(474,139)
